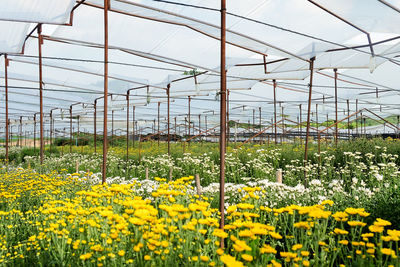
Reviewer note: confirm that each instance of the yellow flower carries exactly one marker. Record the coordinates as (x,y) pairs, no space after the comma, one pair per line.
(267,249)
(230,261)
(340,231)
(247,257)
(220,233)
(275,235)
(147,257)
(297,247)
(121,253)
(85,256)
(375,228)
(204,258)
(327,202)
(306,263)
(220,251)
(305,253)
(356,223)
(343,242)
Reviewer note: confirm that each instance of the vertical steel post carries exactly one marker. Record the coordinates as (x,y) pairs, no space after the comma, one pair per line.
(227,117)
(274,81)
(51,129)
(20,131)
(158,124)
(95,126)
(34,133)
(336,105)
(357,117)
(169,138)
(189,99)
(104,167)
(319,135)
(175,130)
(70,129)
(300,125)
(308,115)
(200,127)
(348,119)
(6,92)
(259,112)
(40,42)
(206,127)
(222,139)
(127,126)
(133,130)
(112,128)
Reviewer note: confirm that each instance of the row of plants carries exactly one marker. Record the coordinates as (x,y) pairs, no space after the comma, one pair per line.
(57,219)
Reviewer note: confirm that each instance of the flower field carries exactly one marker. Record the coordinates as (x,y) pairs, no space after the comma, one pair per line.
(346,215)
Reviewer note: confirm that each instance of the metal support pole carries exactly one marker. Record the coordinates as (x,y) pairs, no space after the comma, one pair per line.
(348,120)
(6,92)
(95,126)
(206,126)
(51,129)
(34,133)
(104,167)
(40,42)
(275,111)
(308,115)
(259,112)
(336,105)
(227,117)
(70,129)
(222,139)
(127,126)
(133,126)
(175,133)
(20,131)
(112,127)
(357,117)
(189,99)
(319,135)
(300,125)
(158,124)
(200,126)
(169,138)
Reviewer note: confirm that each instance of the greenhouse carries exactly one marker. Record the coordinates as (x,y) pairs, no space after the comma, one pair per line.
(200,133)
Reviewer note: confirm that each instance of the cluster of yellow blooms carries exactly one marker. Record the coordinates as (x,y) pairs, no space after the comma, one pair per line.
(56,220)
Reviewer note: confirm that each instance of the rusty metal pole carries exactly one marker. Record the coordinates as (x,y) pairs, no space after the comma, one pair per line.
(308,116)
(158,125)
(133,130)
(206,127)
(51,129)
(300,126)
(175,131)
(274,81)
(200,126)
(127,126)
(112,128)
(222,139)
(20,131)
(6,92)
(189,99)
(357,117)
(169,138)
(40,42)
(95,126)
(319,135)
(348,120)
(336,105)
(34,133)
(104,167)
(70,129)
(227,117)
(259,112)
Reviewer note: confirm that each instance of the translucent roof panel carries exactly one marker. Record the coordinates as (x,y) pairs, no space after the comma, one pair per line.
(12,36)
(37,11)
